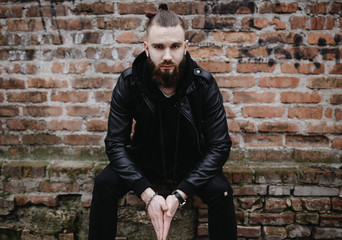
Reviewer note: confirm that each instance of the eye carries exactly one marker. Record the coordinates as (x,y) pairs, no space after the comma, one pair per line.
(158,46)
(175,46)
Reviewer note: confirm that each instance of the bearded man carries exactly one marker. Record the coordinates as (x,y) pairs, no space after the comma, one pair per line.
(180,137)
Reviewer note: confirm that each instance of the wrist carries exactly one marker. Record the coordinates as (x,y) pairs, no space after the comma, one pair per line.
(147,194)
(179,196)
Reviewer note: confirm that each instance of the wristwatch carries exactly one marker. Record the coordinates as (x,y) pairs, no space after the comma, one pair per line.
(181,200)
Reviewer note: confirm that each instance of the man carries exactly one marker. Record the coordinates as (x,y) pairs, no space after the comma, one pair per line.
(180,135)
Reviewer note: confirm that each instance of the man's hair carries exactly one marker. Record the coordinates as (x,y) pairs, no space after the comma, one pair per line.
(164,18)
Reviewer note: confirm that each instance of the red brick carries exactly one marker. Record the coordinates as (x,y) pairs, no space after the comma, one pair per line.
(12,84)
(271,218)
(6,139)
(330,221)
(202,230)
(275,205)
(235,81)
(103,96)
(234,37)
(66,236)
(278,127)
(83,111)
(128,38)
(250,190)
(307,218)
(59,187)
(320,39)
(279,82)
(128,23)
(337,143)
(327,233)
(207,52)
(115,68)
(43,111)
(262,141)
(21,68)
(262,155)
(72,24)
(249,231)
(68,125)
(255,67)
(297,68)
(299,97)
(338,114)
(262,111)
(47,200)
(83,139)
(25,124)
(279,8)
(213,22)
(306,112)
(306,141)
(254,97)
(296,204)
(9,111)
(45,11)
(86,83)
(97,125)
(250,202)
(337,69)
(193,36)
(336,99)
(273,37)
(94,8)
(11,12)
(274,232)
(69,96)
(35,97)
(136,8)
(216,66)
(241,126)
(234,8)
(336,204)
(323,128)
(318,8)
(46,83)
(25,26)
(41,139)
(298,22)
(189,8)
(324,83)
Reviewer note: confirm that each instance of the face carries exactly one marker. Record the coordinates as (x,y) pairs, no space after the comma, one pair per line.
(166,47)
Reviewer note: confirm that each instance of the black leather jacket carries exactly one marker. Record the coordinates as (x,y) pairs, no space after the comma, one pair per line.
(200,103)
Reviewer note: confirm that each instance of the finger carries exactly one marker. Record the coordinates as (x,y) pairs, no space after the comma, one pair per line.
(167,224)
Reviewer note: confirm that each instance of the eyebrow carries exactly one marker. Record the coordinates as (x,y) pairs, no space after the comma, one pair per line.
(158,44)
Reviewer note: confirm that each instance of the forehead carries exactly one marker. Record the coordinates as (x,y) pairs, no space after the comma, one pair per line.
(164,35)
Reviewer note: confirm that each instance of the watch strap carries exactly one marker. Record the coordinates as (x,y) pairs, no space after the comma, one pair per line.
(181,200)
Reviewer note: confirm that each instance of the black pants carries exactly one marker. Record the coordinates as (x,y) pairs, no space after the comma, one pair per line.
(109,188)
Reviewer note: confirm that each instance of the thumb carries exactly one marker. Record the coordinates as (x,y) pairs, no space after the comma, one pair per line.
(164,207)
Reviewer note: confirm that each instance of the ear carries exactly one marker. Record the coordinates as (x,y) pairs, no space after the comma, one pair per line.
(186,45)
(146,48)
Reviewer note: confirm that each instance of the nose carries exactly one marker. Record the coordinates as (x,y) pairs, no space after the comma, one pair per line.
(167,55)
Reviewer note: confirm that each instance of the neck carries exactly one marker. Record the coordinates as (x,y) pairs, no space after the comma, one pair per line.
(168,91)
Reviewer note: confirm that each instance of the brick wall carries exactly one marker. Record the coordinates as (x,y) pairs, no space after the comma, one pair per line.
(278,67)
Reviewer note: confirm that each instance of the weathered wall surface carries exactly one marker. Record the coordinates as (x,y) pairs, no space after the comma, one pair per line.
(277,64)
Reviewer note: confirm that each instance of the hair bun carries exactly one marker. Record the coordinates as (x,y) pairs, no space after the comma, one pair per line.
(163,6)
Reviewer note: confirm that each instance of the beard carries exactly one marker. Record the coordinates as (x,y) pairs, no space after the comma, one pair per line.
(166,78)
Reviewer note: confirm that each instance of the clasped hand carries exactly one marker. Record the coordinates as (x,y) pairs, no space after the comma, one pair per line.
(161,212)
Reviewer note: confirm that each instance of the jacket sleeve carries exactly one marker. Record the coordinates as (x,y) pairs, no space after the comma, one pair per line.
(118,137)
(216,137)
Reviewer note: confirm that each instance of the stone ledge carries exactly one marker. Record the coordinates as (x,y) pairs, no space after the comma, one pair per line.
(277,200)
